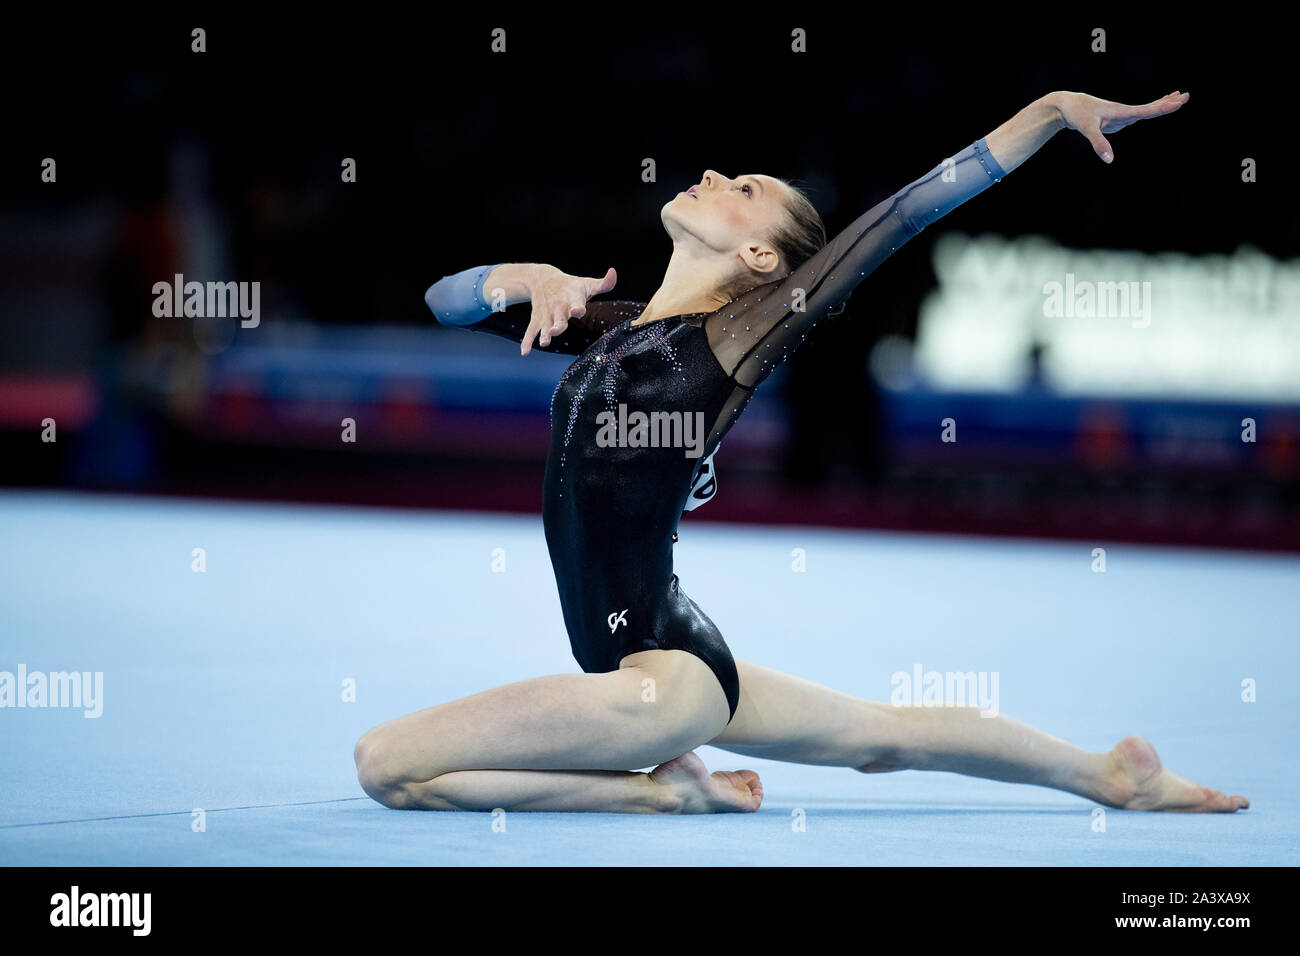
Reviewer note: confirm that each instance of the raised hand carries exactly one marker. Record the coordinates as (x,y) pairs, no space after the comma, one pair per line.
(1092,116)
(558,297)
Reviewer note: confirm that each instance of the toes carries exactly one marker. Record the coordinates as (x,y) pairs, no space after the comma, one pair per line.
(747,782)
(1230,804)
(1222,803)
(1225,802)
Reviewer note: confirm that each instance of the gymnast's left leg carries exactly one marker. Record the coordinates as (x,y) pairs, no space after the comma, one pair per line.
(564,742)
(781,717)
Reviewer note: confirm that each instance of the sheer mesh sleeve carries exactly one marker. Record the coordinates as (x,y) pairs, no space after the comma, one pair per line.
(601,315)
(752,334)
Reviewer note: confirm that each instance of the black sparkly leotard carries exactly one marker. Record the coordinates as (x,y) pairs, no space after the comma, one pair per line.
(610,511)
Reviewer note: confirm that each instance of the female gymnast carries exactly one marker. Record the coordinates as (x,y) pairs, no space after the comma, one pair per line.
(750,274)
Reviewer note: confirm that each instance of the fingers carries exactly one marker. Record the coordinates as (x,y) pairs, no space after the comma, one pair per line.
(559,322)
(1119,116)
(1100,146)
(553,311)
(547,327)
(1166,104)
(602,285)
(552,320)
(547,321)
(534,327)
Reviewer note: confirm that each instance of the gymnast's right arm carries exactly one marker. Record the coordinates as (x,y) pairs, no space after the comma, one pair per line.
(559,316)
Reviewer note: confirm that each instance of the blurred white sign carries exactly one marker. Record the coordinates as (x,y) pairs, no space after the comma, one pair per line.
(1108,322)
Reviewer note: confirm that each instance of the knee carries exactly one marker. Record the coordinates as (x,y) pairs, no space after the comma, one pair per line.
(378,770)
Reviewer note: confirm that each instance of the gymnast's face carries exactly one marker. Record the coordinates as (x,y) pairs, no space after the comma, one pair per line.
(731,217)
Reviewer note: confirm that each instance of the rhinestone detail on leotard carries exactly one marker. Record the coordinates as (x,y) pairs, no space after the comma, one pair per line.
(601,361)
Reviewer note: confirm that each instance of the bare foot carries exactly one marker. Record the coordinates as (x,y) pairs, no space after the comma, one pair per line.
(1141,782)
(702,792)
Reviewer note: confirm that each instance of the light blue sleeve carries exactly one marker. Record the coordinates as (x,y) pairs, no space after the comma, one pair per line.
(458,299)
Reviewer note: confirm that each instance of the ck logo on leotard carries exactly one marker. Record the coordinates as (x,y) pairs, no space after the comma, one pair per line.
(705,484)
(616,619)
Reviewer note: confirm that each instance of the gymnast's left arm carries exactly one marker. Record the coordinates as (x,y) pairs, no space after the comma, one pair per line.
(755,332)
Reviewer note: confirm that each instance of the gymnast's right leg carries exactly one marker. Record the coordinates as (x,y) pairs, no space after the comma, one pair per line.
(781,717)
(564,742)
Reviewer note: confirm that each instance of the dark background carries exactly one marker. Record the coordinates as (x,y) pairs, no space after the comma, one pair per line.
(170,161)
